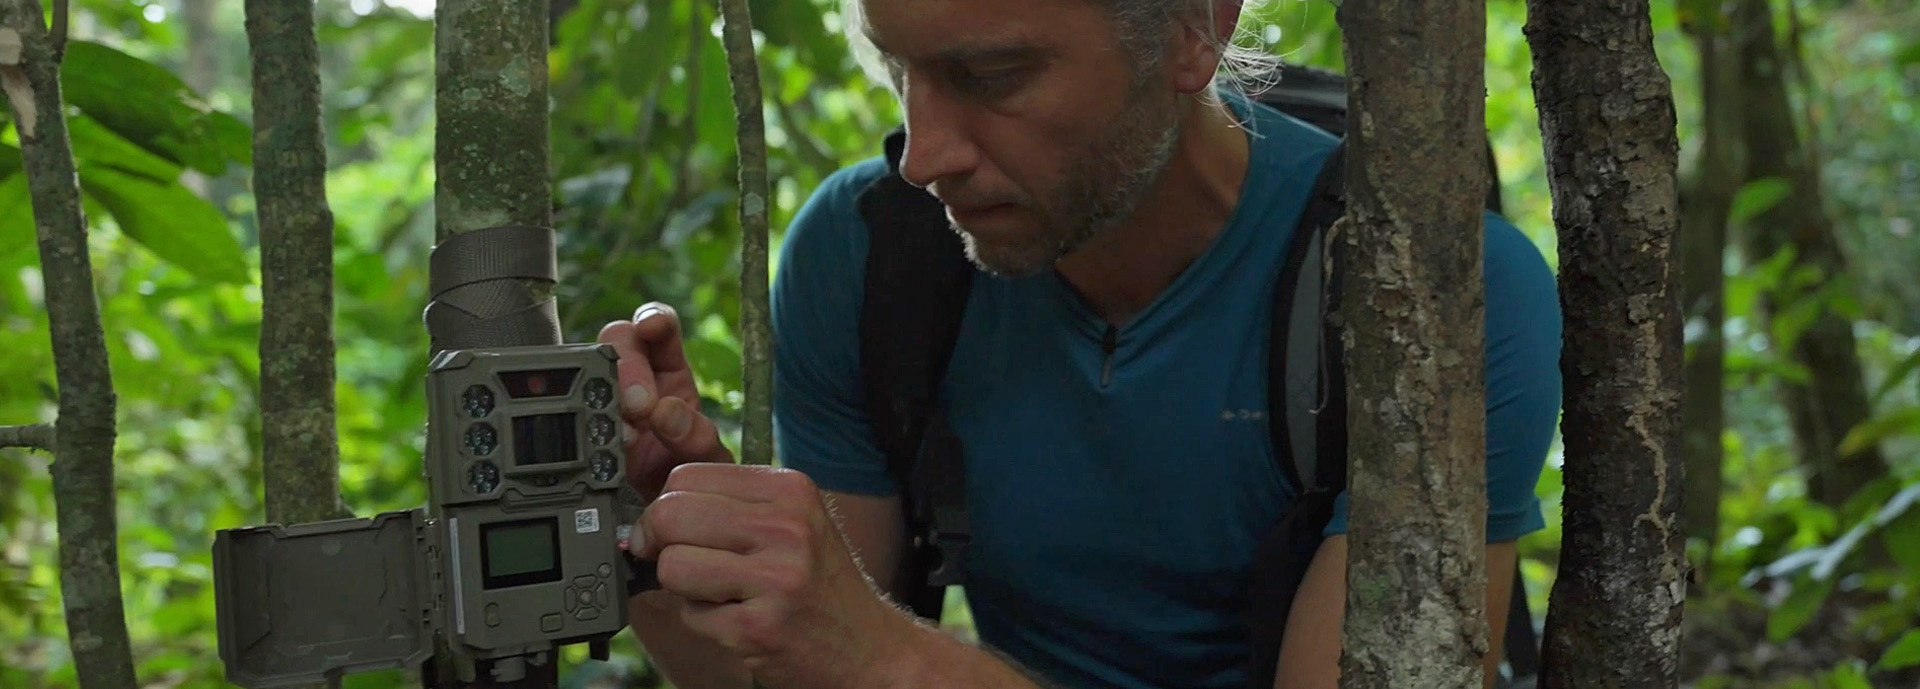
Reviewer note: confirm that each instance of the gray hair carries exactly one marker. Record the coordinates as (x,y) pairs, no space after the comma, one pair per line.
(1145,28)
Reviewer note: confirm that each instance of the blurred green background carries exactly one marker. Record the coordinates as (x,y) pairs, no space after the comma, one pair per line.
(643,162)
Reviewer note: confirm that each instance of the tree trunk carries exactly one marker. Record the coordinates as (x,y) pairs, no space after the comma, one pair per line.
(1608,126)
(491,170)
(756,326)
(1835,398)
(1413,317)
(84,431)
(1703,242)
(300,448)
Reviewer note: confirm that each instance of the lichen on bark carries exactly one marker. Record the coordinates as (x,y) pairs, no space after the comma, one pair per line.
(1412,313)
(491,140)
(299,440)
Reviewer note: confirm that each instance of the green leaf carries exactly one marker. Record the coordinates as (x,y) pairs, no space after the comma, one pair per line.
(1848,676)
(10,162)
(1897,535)
(96,144)
(1872,431)
(1757,197)
(16,225)
(1798,608)
(1904,652)
(1909,55)
(1895,376)
(170,221)
(152,108)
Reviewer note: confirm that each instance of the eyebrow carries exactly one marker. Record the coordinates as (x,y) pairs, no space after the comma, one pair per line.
(1002,49)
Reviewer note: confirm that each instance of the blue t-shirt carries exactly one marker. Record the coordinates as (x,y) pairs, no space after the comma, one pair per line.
(1116,499)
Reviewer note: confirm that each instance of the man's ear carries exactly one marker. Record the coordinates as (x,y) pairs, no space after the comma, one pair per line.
(1196,55)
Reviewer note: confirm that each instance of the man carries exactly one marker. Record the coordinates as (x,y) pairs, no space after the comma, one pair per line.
(1128,226)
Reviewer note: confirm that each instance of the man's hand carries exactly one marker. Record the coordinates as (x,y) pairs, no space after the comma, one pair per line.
(765,573)
(661,407)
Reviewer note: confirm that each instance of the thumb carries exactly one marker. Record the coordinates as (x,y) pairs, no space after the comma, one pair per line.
(687,433)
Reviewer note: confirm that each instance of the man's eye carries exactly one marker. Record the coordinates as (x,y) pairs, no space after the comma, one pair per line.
(989,81)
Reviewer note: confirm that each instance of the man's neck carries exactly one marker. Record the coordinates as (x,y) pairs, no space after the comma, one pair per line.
(1123,270)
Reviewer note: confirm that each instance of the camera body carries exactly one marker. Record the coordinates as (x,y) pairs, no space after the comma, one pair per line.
(515,555)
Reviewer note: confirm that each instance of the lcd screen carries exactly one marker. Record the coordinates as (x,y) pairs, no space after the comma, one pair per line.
(520,552)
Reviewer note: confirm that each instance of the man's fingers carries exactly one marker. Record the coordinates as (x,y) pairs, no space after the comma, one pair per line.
(638,385)
(744,482)
(688,433)
(708,520)
(657,327)
(707,575)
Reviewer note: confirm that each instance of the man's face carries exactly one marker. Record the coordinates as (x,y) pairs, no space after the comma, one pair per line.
(1027,118)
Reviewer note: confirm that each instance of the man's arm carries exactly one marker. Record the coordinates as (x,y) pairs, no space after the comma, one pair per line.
(1310,652)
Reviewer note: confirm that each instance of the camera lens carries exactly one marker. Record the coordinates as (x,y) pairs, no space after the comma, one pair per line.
(481,439)
(599,393)
(479,401)
(604,465)
(483,477)
(600,430)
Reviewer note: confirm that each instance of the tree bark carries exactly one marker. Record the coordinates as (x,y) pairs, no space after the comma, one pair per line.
(1608,124)
(1412,314)
(38,436)
(491,139)
(84,431)
(756,326)
(1706,207)
(1835,398)
(299,438)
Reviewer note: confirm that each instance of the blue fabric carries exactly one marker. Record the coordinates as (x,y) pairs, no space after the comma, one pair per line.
(1114,523)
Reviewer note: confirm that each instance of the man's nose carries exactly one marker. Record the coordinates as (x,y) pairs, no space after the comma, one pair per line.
(937,144)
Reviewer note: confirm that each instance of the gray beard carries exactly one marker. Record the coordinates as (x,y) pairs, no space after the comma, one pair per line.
(1102,189)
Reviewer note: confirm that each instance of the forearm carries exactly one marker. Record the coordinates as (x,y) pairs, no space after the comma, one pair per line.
(932,658)
(686,659)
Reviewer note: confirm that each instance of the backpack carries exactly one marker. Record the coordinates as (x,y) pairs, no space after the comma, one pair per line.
(916,287)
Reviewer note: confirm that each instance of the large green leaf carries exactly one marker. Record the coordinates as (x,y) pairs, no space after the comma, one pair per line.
(96,144)
(151,107)
(170,221)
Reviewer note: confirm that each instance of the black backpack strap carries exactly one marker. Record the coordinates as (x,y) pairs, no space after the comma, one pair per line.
(916,287)
(1306,415)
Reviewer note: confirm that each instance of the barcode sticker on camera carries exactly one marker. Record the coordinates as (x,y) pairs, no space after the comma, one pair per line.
(586,521)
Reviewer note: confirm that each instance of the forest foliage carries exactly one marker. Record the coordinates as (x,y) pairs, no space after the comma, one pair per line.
(1795,592)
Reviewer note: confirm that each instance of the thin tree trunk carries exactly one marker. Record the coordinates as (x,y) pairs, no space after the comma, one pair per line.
(299,439)
(1413,316)
(1703,243)
(756,328)
(491,170)
(1608,123)
(84,431)
(1835,399)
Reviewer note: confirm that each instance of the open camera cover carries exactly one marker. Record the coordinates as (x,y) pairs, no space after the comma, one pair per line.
(299,604)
